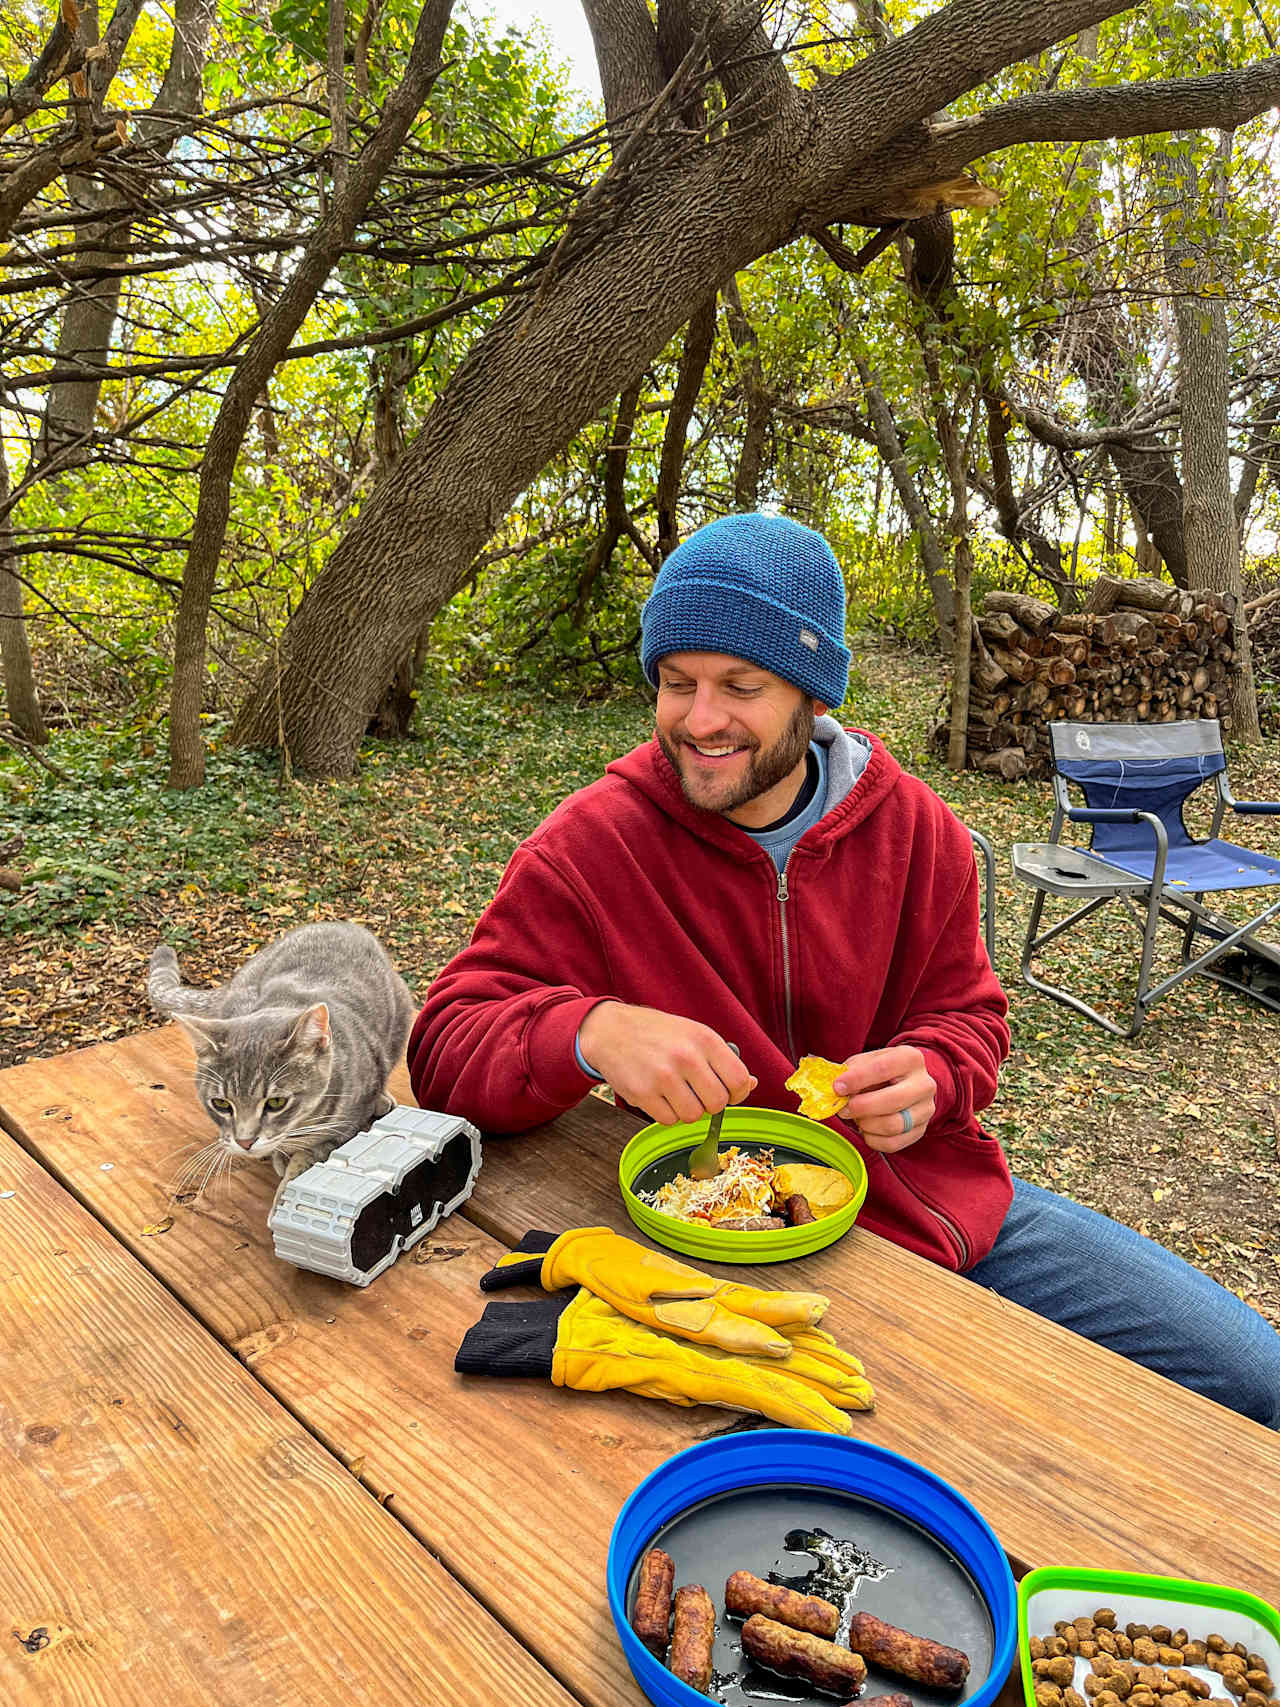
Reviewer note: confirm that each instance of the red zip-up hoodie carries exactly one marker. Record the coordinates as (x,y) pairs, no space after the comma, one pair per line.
(869,937)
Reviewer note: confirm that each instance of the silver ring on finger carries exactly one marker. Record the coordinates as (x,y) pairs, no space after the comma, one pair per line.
(907,1121)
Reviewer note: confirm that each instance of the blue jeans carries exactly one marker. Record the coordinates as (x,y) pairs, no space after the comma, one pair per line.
(1108,1283)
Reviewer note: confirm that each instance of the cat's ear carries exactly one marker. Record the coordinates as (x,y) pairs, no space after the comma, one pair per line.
(311,1034)
(206,1034)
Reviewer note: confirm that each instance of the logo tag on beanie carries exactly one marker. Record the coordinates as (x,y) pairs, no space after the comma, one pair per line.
(810,639)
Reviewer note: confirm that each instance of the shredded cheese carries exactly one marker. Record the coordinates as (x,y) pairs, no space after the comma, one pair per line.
(743,1187)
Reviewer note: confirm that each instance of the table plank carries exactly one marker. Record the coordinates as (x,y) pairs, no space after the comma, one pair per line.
(514,1484)
(171,1532)
(1073,1454)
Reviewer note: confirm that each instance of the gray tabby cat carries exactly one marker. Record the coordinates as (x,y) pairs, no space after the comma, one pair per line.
(293,1055)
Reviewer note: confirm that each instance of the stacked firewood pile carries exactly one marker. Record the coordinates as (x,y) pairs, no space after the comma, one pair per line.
(1138,652)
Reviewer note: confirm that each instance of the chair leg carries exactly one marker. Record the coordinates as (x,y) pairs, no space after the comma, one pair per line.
(1224,942)
(1034,941)
(1201,920)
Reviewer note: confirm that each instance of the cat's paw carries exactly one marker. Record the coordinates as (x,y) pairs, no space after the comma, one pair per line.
(385,1103)
(289,1166)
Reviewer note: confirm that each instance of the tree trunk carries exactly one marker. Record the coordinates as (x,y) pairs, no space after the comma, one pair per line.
(1046,556)
(746,480)
(272,339)
(952,442)
(89,317)
(700,335)
(21,700)
(1103,360)
(933,558)
(1263,451)
(1204,379)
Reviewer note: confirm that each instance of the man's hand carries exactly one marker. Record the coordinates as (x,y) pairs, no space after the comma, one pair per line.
(882,1086)
(674,1069)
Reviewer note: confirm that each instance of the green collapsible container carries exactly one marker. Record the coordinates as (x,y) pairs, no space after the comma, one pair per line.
(792,1136)
(1057,1592)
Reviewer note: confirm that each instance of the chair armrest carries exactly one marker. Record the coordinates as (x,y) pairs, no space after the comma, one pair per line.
(1127,815)
(1108,815)
(1256,808)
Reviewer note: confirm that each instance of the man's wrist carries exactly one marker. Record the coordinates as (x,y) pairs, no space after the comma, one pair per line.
(585,1065)
(581,1059)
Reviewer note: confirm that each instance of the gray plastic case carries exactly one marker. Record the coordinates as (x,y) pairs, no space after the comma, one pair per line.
(351,1215)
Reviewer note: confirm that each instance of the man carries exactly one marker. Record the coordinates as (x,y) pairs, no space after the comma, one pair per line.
(758,876)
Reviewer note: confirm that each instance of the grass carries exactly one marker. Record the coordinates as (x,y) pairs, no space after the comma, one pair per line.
(1177,1133)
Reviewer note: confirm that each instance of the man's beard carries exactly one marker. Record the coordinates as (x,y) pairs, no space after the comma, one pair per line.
(766,767)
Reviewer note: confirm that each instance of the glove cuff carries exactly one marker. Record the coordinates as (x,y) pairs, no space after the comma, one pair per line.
(522,1265)
(513,1338)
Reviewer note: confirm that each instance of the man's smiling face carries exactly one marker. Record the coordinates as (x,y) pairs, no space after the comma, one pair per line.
(736,735)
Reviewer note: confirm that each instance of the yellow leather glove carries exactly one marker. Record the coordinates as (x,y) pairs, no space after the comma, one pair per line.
(598,1349)
(660,1292)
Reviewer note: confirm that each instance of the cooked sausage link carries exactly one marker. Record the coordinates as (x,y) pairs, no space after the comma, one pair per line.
(745,1594)
(910,1656)
(886,1701)
(795,1653)
(798,1211)
(693,1636)
(651,1616)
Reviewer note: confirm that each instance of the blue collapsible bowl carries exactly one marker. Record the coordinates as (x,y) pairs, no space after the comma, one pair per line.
(800,1459)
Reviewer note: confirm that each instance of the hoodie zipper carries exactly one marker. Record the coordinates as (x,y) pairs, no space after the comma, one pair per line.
(944,1221)
(784,895)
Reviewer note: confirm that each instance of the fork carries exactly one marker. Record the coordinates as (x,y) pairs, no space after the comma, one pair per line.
(704,1158)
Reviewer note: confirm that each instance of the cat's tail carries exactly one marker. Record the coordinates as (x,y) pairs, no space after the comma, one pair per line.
(166,990)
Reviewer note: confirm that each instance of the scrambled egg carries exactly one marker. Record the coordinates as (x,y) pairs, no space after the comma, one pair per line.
(812,1082)
(743,1187)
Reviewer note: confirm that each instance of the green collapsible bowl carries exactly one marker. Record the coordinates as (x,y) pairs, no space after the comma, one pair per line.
(1057,1592)
(791,1137)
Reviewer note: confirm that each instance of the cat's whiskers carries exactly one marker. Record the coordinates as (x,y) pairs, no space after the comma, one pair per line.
(209,1166)
(193,1176)
(179,1149)
(194,1165)
(317,1132)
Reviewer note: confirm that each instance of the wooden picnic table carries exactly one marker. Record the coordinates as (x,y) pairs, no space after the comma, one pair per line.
(232,1481)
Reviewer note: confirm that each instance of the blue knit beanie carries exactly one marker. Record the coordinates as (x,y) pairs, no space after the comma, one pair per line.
(757,587)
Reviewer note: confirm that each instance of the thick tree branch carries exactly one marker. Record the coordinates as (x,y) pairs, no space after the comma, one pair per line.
(626,47)
(921,155)
(67,152)
(952,51)
(1221,101)
(60,57)
(104,61)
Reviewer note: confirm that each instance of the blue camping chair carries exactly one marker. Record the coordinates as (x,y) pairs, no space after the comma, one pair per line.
(1135,778)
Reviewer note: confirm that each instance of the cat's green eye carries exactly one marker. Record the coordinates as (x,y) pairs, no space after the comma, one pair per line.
(275,1104)
(221,1104)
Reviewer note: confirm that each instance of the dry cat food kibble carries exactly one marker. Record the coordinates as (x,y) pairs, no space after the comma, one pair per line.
(1143,1665)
